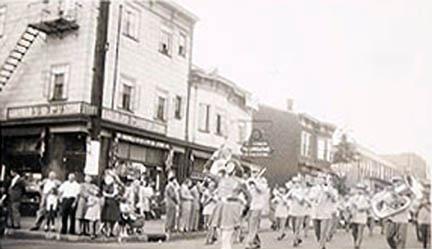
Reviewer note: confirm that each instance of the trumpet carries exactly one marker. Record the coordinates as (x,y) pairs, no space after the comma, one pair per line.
(395,200)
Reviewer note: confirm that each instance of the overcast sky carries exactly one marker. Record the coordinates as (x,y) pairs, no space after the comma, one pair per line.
(363,65)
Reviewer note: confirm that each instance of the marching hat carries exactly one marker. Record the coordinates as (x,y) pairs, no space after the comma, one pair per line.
(171,175)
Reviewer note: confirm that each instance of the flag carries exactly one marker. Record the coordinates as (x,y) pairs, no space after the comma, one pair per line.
(113,153)
(169,160)
(40,146)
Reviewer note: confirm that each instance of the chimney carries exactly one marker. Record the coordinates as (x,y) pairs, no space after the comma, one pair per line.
(290,104)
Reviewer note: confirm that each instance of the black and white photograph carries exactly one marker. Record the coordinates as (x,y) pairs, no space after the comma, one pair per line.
(215,124)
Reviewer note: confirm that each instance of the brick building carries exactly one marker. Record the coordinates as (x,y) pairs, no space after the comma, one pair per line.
(300,143)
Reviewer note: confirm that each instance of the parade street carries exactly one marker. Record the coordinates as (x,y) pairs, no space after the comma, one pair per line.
(342,240)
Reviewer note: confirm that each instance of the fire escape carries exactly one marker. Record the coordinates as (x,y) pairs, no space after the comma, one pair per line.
(57,18)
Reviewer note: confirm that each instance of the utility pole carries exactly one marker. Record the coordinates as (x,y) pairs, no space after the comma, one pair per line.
(94,149)
(99,68)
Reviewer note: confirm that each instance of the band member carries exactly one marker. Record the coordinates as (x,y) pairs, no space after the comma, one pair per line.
(226,215)
(280,202)
(257,187)
(424,218)
(358,205)
(297,209)
(324,197)
(396,228)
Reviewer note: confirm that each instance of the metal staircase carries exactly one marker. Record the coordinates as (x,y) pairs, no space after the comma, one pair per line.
(57,18)
(15,56)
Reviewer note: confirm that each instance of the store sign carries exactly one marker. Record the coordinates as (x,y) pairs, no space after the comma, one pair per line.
(143,141)
(50,110)
(133,121)
(92,158)
(256,146)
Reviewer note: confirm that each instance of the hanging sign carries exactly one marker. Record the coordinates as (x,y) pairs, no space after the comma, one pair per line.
(92,158)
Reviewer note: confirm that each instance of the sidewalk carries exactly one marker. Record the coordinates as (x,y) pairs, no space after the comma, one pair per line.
(153,232)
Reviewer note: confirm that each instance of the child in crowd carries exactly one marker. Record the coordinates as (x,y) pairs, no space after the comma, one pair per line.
(51,208)
(93,210)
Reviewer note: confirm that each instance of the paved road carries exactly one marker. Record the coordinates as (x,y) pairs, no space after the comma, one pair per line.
(342,240)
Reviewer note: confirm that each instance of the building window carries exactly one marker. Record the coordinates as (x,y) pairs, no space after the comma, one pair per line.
(178,107)
(182,45)
(219,124)
(126,103)
(321,153)
(2,20)
(165,43)
(305,144)
(131,23)
(59,78)
(204,117)
(329,149)
(161,106)
(242,132)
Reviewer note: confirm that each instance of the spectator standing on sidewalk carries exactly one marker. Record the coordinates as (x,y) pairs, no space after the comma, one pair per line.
(195,212)
(186,199)
(82,206)
(145,193)
(93,210)
(16,190)
(171,203)
(111,209)
(69,192)
(49,183)
(51,208)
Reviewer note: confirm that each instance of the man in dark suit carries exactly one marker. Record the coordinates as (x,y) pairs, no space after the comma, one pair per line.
(15,193)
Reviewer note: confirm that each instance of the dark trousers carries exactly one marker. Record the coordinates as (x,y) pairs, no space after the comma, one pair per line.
(14,214)
(396,235)
(68,213)
(424,234)
(357,230)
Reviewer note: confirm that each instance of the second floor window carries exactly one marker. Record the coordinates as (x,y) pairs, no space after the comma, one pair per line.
(126,103)
(2,20)
(178,107)
(182,45)
(131,23)
(219,124)
(165,43)
(204,118)
(305,144)
(161,106)
(242,132)
(322,150)
(59,78)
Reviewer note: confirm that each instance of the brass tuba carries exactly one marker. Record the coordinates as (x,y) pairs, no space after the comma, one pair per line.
(393,201)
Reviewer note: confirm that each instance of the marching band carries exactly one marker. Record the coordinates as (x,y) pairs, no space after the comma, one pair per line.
(308,200)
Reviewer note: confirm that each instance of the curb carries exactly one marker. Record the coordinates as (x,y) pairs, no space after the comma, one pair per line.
(153,237)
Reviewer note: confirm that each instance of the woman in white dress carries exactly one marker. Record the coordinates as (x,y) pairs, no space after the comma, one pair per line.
(145,194)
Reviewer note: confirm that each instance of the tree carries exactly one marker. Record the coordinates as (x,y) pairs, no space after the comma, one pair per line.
(345,151)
